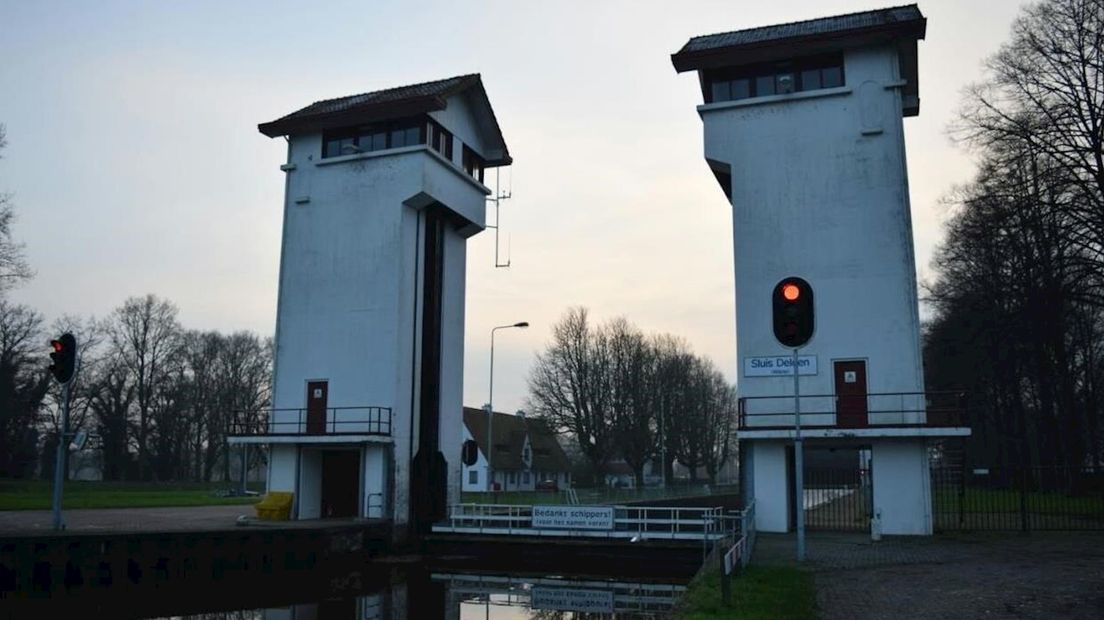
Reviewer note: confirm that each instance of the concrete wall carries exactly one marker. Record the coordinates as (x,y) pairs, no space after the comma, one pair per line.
(374,475)
(282,467)
(819,190)
(772,499)
(309,494)
(902,486)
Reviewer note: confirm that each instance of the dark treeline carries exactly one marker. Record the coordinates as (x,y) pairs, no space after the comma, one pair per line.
(619,393)
(155,398)
(1019,295)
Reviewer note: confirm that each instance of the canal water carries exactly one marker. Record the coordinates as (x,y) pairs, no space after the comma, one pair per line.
(479,596)
(390,590)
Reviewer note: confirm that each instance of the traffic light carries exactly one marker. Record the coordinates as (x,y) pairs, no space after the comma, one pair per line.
(793,312)
(64,357)
(469,453)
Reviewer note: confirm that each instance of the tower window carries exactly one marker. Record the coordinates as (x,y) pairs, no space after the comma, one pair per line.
(813,73)
(473,164)
(440,140)
(374,137)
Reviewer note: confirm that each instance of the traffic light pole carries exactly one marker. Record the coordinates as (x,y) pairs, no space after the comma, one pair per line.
(62,447)
(799,466)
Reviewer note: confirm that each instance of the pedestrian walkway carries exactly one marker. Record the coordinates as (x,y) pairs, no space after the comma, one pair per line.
(991,575)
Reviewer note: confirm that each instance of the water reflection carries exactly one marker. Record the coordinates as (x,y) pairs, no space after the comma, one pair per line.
(420,595)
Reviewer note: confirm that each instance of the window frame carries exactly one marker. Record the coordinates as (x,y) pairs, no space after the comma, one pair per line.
(472,163)
(388,128)
(765,77)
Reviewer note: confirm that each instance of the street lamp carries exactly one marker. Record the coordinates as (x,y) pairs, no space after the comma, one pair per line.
(490,405)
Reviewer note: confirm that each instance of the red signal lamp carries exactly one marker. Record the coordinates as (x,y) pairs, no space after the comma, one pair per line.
(791,291)
(58,347)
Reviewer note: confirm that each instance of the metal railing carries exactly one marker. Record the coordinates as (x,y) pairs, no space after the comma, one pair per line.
(878,410)
(332,421)
(630,522)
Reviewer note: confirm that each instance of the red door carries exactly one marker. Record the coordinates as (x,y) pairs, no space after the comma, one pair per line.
(851,394)
(316,407)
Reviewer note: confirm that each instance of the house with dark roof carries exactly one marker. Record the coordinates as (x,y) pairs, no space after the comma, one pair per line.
(525,453)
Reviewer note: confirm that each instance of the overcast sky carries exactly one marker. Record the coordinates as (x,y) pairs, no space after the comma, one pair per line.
(133,145)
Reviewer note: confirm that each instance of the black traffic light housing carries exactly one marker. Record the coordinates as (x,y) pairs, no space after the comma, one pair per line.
(793,312)
(469,452)
(64,357)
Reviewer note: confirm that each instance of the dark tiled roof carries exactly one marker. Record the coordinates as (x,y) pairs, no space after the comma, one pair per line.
(898,20)
(401,94)
(509,438)
(392,103)
(823,25)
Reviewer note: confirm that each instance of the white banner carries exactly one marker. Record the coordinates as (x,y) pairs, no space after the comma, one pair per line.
(779,366)
(564,599)
(573,517)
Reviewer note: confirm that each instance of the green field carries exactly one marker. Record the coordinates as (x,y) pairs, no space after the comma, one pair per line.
(758,593)
(1008,500)
(37,494)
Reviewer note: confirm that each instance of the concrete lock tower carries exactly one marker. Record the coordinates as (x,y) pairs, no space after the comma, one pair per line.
(382,191)
(804,133)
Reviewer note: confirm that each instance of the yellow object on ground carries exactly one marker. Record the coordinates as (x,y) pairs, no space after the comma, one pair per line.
(275,506)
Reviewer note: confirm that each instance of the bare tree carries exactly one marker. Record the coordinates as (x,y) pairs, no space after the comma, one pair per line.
(23,384)
(1020,290)
(633,394)
(567,388)
(145,339)
(13,264)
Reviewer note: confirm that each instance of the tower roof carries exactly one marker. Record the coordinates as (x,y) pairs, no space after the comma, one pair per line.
(901,26)
(387,104)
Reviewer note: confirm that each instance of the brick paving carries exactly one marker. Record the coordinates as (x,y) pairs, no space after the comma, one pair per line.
(985,575)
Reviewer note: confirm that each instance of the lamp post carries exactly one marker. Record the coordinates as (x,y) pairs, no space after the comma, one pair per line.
(490,405)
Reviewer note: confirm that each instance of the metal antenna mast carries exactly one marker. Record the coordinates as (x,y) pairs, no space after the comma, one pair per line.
(499,196)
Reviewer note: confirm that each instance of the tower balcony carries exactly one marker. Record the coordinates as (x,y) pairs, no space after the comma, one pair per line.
(889,414)
(312,425)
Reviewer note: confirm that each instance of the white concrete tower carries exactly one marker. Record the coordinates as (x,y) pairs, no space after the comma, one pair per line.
(382,191)
(804,132)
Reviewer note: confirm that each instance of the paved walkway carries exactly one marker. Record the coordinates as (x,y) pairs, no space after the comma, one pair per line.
(989,575)
(102,520)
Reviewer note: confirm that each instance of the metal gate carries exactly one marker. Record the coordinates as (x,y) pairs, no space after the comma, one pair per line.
(1017,498)
(837,498)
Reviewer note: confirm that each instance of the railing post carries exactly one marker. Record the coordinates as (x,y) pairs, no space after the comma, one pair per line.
(1023,499)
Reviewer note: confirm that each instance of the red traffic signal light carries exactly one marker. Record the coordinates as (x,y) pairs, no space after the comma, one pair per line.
(64,357)
(792,303)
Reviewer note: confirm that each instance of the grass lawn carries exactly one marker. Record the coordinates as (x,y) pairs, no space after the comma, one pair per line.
(759,592)
(37,494)
(1006,500)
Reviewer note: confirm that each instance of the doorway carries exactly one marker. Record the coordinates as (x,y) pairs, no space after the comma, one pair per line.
(340,483)
(851,411)
(317,395)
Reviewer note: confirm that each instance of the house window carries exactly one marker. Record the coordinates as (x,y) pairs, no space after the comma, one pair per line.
(473,164)
(440,140)
(525,477)
(473,476)
(374,137)
(813,73)
(513,477)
